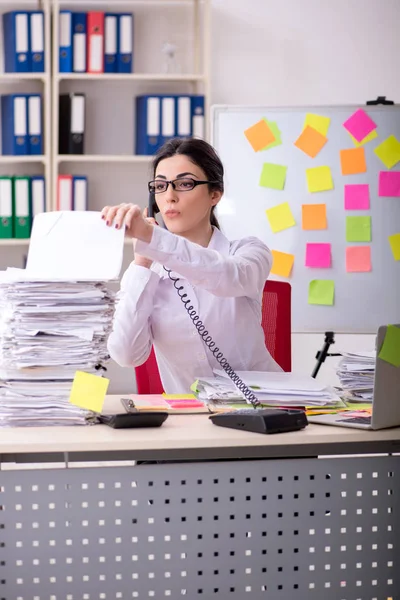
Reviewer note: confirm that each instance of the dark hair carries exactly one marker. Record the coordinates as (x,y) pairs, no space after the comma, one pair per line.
(201,154)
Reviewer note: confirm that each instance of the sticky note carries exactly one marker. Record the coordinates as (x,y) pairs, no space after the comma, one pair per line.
(368,138)
(321,291)
(318,256)
(280,217)
(358,259)
(178,396)
(88,391)
(282,263)
(359,125)
(394,241)
(389,184)
(390,351)
(313,216)
(311,141)
(352,161)
(273,125)
(356,196)
(317,122)
(358,229)
(389,151)
(273,176)
(259,135)
(319,179)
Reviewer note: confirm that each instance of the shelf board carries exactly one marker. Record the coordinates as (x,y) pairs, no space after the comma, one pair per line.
(23,76)
(4,159)
(14,242)
(100,158)
(131,76)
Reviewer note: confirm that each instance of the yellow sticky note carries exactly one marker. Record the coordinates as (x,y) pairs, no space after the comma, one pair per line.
(317,122)
(319,179)
(88,391)
(280,217)
(389,151)
(394,241)
(282,263)
(179,396)
(371,136)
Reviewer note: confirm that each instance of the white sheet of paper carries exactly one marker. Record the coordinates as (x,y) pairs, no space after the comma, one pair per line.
(74,245)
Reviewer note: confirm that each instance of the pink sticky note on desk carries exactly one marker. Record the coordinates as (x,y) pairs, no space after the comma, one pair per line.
(359,125)
(389,184)
(318,256)
(356,196)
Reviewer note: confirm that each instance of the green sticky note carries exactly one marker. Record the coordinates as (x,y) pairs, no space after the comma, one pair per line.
(273,176)
(389,151)
(321,291)
(273,125)
(358,229)
(319,179)
(89,391)
(390,351)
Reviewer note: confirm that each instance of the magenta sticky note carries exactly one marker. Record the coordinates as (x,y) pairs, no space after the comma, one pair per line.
(359,125)
(389,184)
(318,256)
(356,196)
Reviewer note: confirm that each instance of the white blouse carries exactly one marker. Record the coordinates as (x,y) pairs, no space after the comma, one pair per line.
(224,282)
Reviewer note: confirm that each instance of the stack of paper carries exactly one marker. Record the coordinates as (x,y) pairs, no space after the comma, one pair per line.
(356,372)
(55,317)
(270,388)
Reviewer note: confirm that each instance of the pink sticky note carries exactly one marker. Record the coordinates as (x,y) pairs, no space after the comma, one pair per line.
(389,184)
(356,196)
(358,259)
(318,256)
(359,125)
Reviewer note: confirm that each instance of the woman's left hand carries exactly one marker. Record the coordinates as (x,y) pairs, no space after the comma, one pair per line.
(130,216)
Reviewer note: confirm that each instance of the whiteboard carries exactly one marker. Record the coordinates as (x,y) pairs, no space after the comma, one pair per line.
(362,301)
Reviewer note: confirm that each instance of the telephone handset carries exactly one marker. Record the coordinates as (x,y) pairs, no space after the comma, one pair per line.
(152,208)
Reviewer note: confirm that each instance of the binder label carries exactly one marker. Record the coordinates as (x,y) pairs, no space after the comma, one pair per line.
(80,52)
(125,34)
(34,115)
(65,29)
(153,116)
(5,198)
(96,53)
(21,198)
(78,115)
(110,41)
(37,196)
(168,117)
(183,116)
(37,33)
(21,35)
(20,118)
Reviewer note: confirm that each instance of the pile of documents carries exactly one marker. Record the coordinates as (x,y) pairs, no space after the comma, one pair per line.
(270,388)
(356,372)
(55,317)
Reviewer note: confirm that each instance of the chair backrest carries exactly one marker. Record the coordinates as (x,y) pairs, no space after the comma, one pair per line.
(275,321)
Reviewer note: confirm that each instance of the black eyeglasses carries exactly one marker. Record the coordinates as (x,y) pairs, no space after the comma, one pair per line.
(180,185)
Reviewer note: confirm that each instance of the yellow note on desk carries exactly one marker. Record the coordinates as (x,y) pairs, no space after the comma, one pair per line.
(179,396)
(89,391)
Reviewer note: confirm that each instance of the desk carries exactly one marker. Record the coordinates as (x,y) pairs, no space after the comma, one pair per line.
(263,518)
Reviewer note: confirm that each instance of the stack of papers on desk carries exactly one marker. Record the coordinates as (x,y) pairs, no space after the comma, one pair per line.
(53,323)
(270,388)
(356,372)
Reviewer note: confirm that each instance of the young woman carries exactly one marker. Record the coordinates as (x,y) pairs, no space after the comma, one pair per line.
(223,279)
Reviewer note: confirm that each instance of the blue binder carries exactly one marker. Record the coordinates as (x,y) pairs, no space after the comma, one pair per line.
(37,195)
(16,28)
(79,41)
(65,42)
(36,50)
(125,43)
(111,42)
(198,128)
(79,192)
(14,121)
(148,124)
(35,124)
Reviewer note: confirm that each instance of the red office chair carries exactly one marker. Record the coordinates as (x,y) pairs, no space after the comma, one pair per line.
(275,321)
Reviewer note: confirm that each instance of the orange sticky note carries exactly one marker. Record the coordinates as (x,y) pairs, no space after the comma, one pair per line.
(311,141)
(358,259)
(282,263)
(259,135)
(353,161)
(313,216)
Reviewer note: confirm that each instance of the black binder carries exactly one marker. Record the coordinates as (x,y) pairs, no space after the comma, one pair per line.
(71,123)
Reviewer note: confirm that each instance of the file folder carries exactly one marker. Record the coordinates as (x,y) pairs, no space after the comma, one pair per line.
(35,124)
(183,116)
(80,193)
(64,193)
(79,29)
(16,42)
(95,46)
(110,42)
(38,195)
(198,129)
(37,41)
(65,42)
(6,210)
(21,208)
(167,118)
(14,120)
(125,43)
(148,124)
(71,123)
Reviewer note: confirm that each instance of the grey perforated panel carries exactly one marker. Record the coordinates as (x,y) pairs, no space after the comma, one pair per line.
(290,529)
